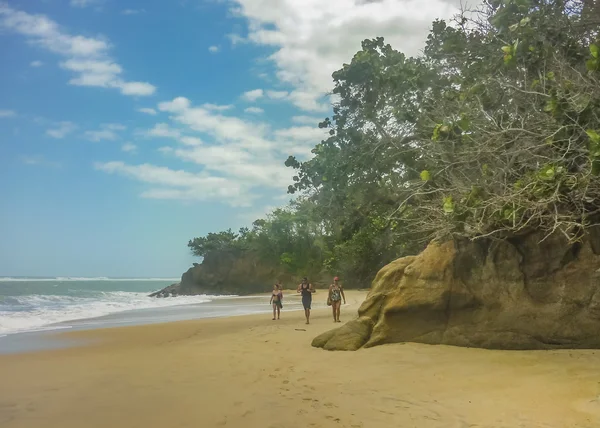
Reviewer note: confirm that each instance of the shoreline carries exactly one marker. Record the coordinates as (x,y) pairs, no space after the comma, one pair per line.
(48,336)
(249,371)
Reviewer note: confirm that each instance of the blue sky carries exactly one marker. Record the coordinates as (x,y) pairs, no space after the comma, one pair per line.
(128,127)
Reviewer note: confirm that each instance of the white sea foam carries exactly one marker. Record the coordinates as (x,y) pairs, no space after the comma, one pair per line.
(39,311)
(70,278)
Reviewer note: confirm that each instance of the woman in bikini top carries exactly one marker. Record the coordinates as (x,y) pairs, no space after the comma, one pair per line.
(276,297)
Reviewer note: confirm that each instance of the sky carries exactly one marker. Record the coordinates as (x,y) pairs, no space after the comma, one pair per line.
(128,127)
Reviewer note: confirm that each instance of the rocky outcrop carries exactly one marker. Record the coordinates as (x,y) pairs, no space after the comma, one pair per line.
(229,272)
(170,291)
(523,293)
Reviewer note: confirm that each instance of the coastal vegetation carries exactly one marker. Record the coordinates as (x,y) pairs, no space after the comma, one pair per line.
(492,133)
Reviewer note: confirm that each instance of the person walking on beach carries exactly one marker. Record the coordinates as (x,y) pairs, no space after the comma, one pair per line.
(306,289)
(336,292)
(276,300)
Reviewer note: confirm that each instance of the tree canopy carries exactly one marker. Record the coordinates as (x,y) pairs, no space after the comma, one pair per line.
(493,131)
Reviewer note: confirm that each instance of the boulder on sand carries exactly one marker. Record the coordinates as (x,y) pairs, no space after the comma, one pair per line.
(522,293)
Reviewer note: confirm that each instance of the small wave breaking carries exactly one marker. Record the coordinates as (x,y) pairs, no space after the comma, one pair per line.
(75,278)
(34,312)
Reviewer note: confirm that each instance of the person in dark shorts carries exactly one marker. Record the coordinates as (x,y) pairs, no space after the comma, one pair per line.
(306,289)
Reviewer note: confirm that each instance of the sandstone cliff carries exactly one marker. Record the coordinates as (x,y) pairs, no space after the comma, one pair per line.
(523,293)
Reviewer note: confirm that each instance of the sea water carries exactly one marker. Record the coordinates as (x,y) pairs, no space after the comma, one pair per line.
(32,309)
(34,304)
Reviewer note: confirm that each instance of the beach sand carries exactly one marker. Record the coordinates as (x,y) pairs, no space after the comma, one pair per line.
(250,372)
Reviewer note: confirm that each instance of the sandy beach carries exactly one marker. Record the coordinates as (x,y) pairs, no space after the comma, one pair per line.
(249,371)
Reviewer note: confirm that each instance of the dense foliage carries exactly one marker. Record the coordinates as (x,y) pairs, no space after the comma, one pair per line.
(493,131)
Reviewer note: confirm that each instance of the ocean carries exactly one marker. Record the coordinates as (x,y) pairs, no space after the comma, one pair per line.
(34,304)
(29,305)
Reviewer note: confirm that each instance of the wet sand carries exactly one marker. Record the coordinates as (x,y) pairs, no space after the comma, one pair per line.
(249,371)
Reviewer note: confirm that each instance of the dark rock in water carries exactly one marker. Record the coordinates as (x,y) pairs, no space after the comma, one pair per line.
(522,293)
(171,290)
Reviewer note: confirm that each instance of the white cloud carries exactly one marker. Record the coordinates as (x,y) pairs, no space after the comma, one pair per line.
(164,130)
(108,132)
(114,126)
(62,130)
(224,128)
(39,161)
(303,133)
(213,49)
(136,88)
(278,95)
(311,39)
(132,11)
(86,57)
(254,110)
(191,141)
(83,3)
(36,64)
(129,148)
(236,39)
(178,184)
(237,159)
(307,120)
(147,110)
(101,135)
(217,107)
(253,95)
(7,113)
(244,155)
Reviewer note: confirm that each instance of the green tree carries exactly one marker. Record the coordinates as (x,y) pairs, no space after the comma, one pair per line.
(493,131)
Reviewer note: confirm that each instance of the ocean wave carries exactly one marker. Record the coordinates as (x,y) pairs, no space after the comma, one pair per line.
(74,278)
(32,312)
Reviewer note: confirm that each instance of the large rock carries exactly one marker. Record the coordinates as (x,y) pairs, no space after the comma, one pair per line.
(349,337)
(523,293)
(231,272)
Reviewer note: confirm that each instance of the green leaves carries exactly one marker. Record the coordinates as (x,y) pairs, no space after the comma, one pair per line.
(448,205)
(551,105)
(594,150)
(594,136)
(510,52)
(593,64)
(548,172)
(425,176)
(522,23)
